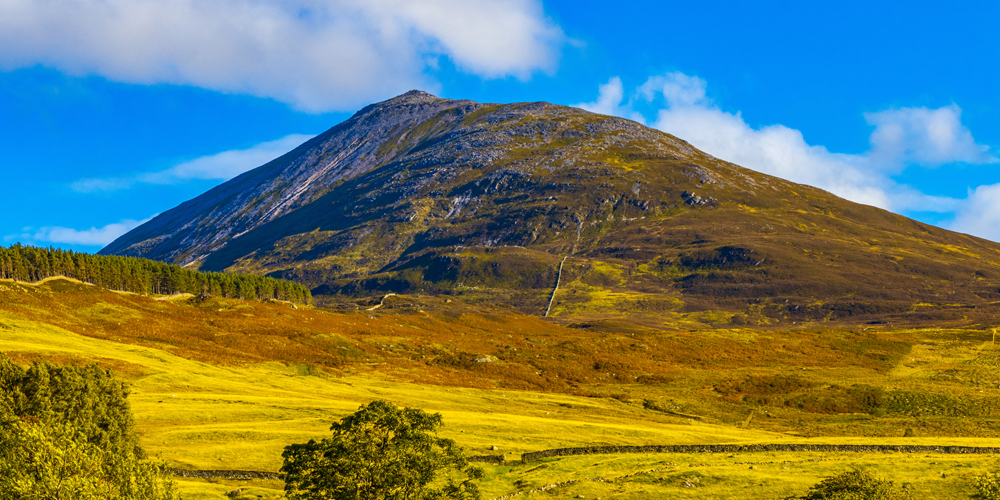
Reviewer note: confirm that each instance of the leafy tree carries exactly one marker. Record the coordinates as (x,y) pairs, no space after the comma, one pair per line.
(88,398)
(68,433)
(40,460)
(380,452)
(987,487)
(855,484)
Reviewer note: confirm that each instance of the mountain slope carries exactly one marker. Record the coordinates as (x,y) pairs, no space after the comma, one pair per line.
(497,202)
(200,226)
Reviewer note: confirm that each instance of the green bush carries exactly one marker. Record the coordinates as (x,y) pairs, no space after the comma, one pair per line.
(68,432)
(380,452)
(987,487)
(855,485)
(88,398)
(56,460)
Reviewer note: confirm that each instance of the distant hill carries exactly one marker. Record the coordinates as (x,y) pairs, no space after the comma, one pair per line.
(495,202)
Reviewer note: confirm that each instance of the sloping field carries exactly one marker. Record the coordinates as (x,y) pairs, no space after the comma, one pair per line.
(217,386)
(203,416)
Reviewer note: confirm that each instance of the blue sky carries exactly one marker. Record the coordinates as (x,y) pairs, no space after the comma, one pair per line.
(112,111)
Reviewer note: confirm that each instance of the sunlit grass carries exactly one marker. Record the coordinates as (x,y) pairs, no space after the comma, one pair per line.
(232,393)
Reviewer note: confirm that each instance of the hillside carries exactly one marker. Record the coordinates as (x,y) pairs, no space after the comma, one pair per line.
(717,373)
(226,384)
(489,202)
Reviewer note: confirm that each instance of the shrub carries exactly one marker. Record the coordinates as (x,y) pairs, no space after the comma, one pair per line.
(379,452)
(87,397)
(855,484)
(68,432)
(987,487)
(41,459)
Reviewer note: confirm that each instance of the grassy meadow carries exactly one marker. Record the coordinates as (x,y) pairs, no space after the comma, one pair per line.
(226,384)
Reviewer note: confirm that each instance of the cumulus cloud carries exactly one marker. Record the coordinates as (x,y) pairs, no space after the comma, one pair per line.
(609,102)
(980,213)
(95,236)
(775,149)
(902,137)
(317,55)
(224,165)
(923,136)
(677,88)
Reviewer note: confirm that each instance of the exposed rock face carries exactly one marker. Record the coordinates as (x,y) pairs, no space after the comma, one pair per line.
(196,228)
(439,138)
(421,194)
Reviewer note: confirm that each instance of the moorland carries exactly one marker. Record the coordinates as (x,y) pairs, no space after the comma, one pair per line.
(222,383)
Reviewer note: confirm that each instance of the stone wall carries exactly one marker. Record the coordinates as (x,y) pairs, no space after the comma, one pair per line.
(743,448)
(225,474)
(490,459)
(603,450)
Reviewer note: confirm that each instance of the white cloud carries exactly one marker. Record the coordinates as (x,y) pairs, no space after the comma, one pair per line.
(677,88)
(95,236)
(224,165)
(486,37)
(609,102)
(317,55)
(775,150)
(902,137)
(980,214)
(924,136)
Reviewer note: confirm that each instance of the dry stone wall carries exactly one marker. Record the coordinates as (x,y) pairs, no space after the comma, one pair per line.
(606,450)
(225,474)
(744,448)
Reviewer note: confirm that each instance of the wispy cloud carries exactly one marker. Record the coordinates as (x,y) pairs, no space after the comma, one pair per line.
(224,165)
(317,55)
(902,137)
(95,236)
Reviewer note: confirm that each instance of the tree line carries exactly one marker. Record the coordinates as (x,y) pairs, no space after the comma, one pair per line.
(142,276)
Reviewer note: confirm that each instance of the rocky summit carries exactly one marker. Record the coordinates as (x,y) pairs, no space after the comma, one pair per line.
(557,211)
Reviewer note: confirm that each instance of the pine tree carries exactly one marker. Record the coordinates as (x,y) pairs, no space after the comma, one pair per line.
(142,276)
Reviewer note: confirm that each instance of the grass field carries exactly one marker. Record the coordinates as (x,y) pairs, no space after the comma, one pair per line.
(216,401)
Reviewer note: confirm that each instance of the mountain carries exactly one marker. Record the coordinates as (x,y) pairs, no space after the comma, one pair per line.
(517,203)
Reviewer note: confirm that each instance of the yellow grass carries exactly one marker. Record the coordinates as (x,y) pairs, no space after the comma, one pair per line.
(239,412)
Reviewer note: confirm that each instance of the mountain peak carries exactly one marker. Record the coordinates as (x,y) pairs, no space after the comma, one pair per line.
(414,97)
(424,194)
